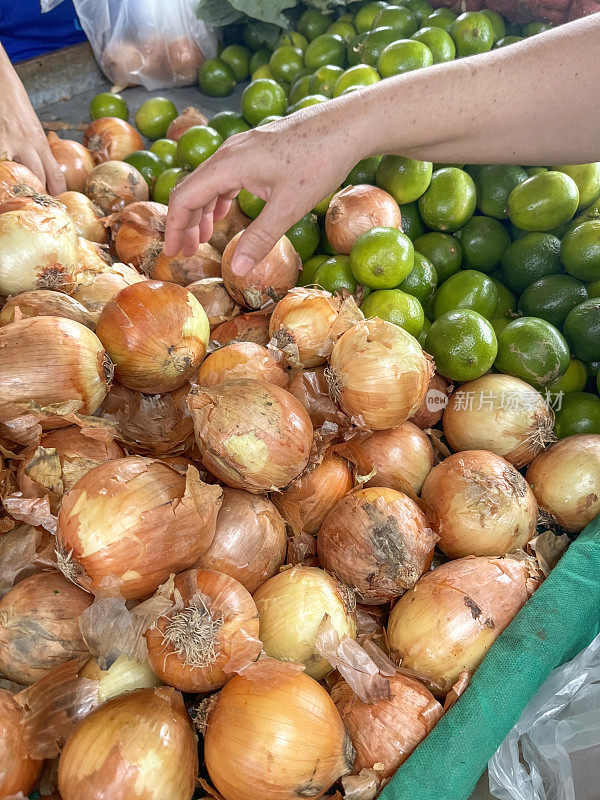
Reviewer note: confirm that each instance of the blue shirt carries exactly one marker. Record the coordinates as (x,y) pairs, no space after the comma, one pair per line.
(25,32)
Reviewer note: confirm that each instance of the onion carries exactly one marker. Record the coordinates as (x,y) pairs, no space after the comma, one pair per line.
(138,744)
(205,263)
(250,539)
(388,731)
(18,772)
(14,178)
(479,505)
(184,58)
(136,228)
(91,256)
(165,523)
(501,414)
(122,61)
(115,184)
(245,328)
(86,217)
(44,303)
(377,541)
(448,622)
(378,374)
(247,756)
(253,435)
(291,607)
(215,300)
(270,279)
(208,636)
(354,210)
(39,627)
(111,139)
(156,334)
(565,479)
(74,161)
(435,401)
(95,287)
(225,229)
(123,675)
(188,118)
(311,389)
(242,360)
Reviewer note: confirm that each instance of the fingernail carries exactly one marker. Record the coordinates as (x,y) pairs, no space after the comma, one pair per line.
(241,264)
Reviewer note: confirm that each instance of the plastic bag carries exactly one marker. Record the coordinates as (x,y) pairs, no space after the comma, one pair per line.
(542,757)
(155,43)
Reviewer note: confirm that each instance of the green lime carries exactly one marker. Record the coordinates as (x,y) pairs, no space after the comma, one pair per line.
(250,204)
(313,23)
(530,258)
(580,251)
(498,324)
(304,236)
(382,258)
(335,274)
(494,184)
(216,78)
(197,144)
(497,22)
(533,28)
(444,252)
(439,42)
(579,413)
(347,16)
(355,77)
(467,289)
(472,33)
(592,213)
(404,178)
(552,297)
(533,350)
(365,16)
(573,380)
(506,40)
(154,117)
(166,150)
(374,42)
(147,163)
(441,18)
(309,267)
(398,17)
(507,302)
(421,280)
(166,182)
(394,305)
(587,178)
(238,58)
(543,202)
(264,71)
(403,56)
(267,120)
(582,330)
(107,104)
(321,208)
(422,337)
(483,241)
(593,289)
(307,102)
(299,89)
(364,172)
(262,98)
(412,224)
(449,202)
(324,78)
(329,48)
(420,9)
(463,345)
(344,29)
(228,123)
(293,38)
(286,62)
(259,59)
(535,170)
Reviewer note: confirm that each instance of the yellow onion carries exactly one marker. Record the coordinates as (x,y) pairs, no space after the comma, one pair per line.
(253,435)
(311,389)
(208,636)
(387,732)
(245,328)
(156,335)
(121,61)
(354,210)
(501,414)
(95,287)
(45,303)
(165,522)
(90,257)
(225,229)
(244,730)
(139,744)
(18,772)
(450,619)
(114,184)
(123,675)
(378,542)
(74,161)
(86,217)
(111,139)
(291,607)
(184,58)
(136,227)
(188,118)
(565,480)
(39,627)
(378,374)
(242,360)
(215,300)
(205,263)
(307,501)
(479,505)
(250,540)
(268,281)
(14,178)
(435,401)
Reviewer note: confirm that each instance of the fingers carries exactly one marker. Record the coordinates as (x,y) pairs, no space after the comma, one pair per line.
(222,207)
(190,241)
(205,228)
(55,180)
(260,237)
(31,160)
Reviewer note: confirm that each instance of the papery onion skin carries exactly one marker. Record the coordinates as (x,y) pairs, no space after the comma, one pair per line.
(91,256)
(311,389)
(74,161)
(136,227)
(86,217)
(244,729)
(242,360)
(435,401)
(245,328)
(123,675)
(45,303)
(225,229)
(291,607)
(565,479)
(114,185)
(131,242)
(15,176)
(137,745)
(376,541)
(18,772)
(479,505)
(450,619)
(205,263)
(354,210)
(95,287)
(378,374)
(188,118)
(253,435)
(250,540)
(156,334)
(268,281)
(502,414)
(215,300)
(39,627)
(387,731)
(111,139)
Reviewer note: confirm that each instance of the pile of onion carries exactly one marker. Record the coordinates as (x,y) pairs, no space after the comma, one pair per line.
(354,210)
(243,360)
(243,328)
(435,401)
(136,228)
(225,229)
(114,185)
(111,139)
(74,160)
(215,300)
(14,178)
(95,287)
(204,263)
(188,118)
(45,303)
(86,217)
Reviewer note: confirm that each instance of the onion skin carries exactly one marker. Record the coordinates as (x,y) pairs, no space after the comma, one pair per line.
(45,303)
(244,728)
(111,139)
(131,242)
(113,185)
(95,287)
(156,334)
(245,328)
(388,731)
(242,360)
(74,161)
(18,772)
(188,118)
(86,217)
(225,229)
(501,414)
(13,176)
(435,401)
(311,389)
(123,675)
(378,542)
(565,479)
(39,627)
(106,757)
(252,435)
(304,318)
(215,300)
(354,210)
(205,263)
(450,619)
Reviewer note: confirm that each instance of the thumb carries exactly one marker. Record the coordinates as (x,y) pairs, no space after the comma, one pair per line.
(259,238)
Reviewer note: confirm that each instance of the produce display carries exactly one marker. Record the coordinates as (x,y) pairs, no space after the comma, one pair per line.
(257,533)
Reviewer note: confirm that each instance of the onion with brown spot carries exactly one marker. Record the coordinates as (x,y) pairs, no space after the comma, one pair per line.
(14,178)
(74,161)
(354,210)
(311,389)
(243,360)
(111,139)
(251,327)
(205,263)
(113,185)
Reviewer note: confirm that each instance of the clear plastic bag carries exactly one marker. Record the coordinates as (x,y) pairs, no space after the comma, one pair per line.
(155,43)
(542,758)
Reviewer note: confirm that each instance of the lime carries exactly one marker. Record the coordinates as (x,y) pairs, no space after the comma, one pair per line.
(444,252)
(382,258)
(533,28)
(154,117)
(543,202)
(238,58)
(364,172)
(262,98)
(347,16)
(304,236)
(421,338)
(307,102)
(472,33)
(324,78)
(365,16)
(394,305)
(354,50)
(533,350)
(497,22)
(582,330)
(412,224)
(228,123)
(494,184)
(335,274)
(321,208)
(439,42)
(593,289)
(507,302)
(147,163)
(463,345)
(590,213)
(325,244)
(420,9)
(259,59)
(552,297)
(264,71)
(467,289)
(355,77)
(421,280)
(313,23)
(299,89)
(309,267)
(404,178)
(166,182)
(329,48)
(449,202)
(197,144)
(506,40)
(573,380)
(374,42)
(579,412)
(403,56)
(286,62)
(107,104)
(294,38)
(216,78)
(250,204)
(344,29)
(526,260)
(166,150)
(587,178)
(483,241)
(580,251)
(498,324)
(398,17)
(441,18)
(267,120)
(535,170)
